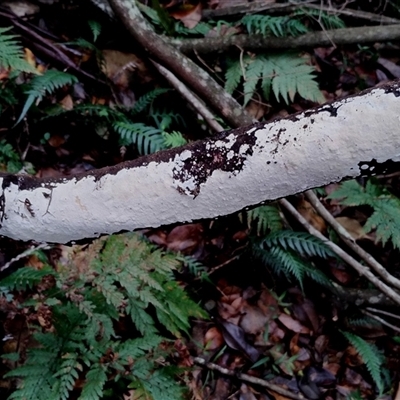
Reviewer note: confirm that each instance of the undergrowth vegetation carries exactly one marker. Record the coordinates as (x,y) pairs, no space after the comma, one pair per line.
(74,311)
(78,307)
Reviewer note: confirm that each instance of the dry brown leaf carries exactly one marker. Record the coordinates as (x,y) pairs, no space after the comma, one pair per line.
(213,339)
(189,15)
(352,226)
(253,321)
(186,238)
(67,103)
(119,67)
(308,212)
(292,324)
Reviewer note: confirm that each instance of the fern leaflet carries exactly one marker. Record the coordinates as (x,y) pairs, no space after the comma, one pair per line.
(95,381)
(145,101)
(287,74)
(386,215)
(301,242)
(278,26)
(284,250)
(25,278)
(146,138)
(12,53)
(265,218)
(95,27)
(173,139)
(45,84)
(371,357)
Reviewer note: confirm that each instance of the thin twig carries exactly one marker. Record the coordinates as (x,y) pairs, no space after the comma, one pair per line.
(381,320)
(361,269)
(376,310)
(183,67)
(348,239)
(248,378)
(194,101)
(24,254)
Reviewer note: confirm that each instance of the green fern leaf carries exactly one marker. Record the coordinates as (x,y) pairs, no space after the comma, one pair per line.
(276,25)
(147,138)
(202,29)
(45,84)
(328,21)
(25,277)
(291,76)
(266,218)
(163,119)
(254,70)
(136,348)
(146,100)
(142,320)
(12,53)
(301,242)
(287,74)
(290,264)
(386,215)
(371,357)
(95,381)
(95,27)
(173,139)
(233,75)
(66,376)
(161,387)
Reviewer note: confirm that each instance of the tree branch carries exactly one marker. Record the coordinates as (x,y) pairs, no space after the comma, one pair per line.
(362,35)
(197,79)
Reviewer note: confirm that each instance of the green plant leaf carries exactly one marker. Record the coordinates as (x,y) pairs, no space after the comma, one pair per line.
(45,84)
(371,357)
(386,208)
(12,53)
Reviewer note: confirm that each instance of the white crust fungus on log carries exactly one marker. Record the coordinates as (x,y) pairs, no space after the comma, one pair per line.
(205,179)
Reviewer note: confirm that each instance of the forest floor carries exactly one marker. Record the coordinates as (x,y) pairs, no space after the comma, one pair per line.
(269,335)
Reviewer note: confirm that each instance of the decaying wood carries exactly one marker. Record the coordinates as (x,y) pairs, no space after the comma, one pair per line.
(206,179)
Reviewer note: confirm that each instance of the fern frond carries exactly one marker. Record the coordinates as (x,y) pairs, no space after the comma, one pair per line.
(195,267)
(364,321)
(146,138)
(254,70)
(95,27)
(328,21)
(163,119)
(66,376)
(173,139)
(292,75)
(300,242)
(265,218)
(371,357)
(124,276)
(142,320)
(45,84)
(386,215)
(95,381)
(286,262)
(278,26)
(37,376)
(25,277)
(286,73)
(233,75)
(160,386)
(145,101)
(12,53)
